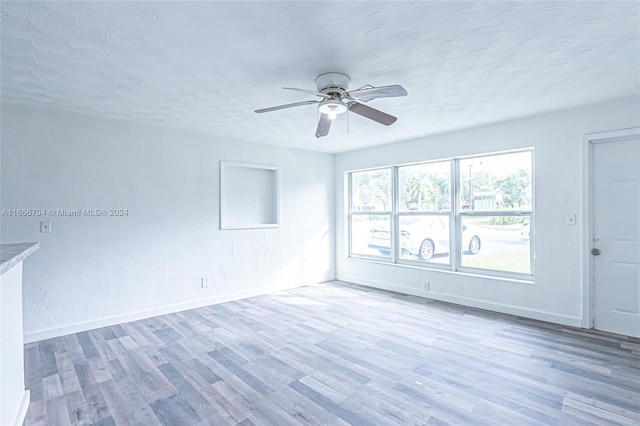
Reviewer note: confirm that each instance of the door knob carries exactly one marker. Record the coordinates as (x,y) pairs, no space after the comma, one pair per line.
(595,251)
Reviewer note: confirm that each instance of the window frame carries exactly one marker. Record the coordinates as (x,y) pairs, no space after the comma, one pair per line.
(455,216)
(351,214)
(460,214)
(435,213)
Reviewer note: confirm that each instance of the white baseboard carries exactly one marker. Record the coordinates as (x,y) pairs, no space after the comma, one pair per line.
(21,414)
(468,301)
(107,321)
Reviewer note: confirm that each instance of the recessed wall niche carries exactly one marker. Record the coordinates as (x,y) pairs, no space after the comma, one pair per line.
(249,196)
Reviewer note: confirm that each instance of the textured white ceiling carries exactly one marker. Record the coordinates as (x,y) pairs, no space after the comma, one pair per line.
(207,65)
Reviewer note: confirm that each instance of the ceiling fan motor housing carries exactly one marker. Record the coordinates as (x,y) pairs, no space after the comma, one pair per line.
(333,82)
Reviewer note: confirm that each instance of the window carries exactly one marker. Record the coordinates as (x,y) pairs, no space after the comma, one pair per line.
(468,214)
(370,201)
(496,199)
(424,212)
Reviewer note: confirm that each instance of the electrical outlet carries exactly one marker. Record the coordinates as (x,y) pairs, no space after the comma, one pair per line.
(204,282)
(426,285)
(45,227)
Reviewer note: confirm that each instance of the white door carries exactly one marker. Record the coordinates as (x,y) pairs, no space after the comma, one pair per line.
(616,235)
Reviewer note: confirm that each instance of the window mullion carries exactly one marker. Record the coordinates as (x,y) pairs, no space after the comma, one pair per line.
(349,214)
(455,215)
(395,200)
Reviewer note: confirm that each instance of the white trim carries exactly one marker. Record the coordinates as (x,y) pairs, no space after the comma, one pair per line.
(586,240)
(21,414)
(429,267)
(135,316)
(467,301)
(110,320)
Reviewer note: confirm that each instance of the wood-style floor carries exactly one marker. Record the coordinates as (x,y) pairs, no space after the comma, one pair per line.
(333,354)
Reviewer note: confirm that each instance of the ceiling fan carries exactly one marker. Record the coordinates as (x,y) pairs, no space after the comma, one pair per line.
(333,88)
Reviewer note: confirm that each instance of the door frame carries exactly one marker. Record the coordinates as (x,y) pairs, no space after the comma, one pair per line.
(586,202)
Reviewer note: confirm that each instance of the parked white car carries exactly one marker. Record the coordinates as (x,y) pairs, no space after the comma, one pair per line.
(423,236)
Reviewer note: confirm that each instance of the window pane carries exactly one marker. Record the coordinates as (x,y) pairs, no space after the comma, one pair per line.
(370,235)
(496,182)
(425,238)
(425,187)
(499,243)
(371,191)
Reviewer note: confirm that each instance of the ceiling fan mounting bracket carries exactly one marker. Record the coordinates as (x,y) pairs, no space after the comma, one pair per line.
(333,82)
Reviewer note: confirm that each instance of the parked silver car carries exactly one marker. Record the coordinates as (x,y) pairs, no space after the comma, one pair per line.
(422,237)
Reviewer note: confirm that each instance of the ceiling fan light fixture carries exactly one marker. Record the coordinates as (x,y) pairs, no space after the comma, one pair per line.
(332,108)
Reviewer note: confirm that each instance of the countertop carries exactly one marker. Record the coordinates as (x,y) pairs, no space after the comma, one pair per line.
(12,254)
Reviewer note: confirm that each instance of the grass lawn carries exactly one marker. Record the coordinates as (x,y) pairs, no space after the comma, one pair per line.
(515,261)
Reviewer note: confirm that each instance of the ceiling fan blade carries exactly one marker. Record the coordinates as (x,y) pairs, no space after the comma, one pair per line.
(295,104)
(372,113)
(365,95)
(324,124)
(311,92)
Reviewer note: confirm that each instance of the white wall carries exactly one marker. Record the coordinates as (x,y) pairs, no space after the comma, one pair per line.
(556,294)
(92,271)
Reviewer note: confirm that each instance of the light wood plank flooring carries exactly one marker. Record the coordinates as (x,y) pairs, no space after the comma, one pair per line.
(334,354)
